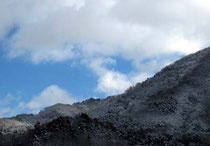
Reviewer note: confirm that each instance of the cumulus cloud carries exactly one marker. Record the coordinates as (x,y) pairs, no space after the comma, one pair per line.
(49,96)
(61,30)
(113,83)
(110,81)
(48,30)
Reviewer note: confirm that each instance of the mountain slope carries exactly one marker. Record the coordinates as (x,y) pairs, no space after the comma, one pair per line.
(181,86)
(174,103)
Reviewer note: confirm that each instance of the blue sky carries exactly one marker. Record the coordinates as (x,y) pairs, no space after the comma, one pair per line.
(64,51)
(19,76)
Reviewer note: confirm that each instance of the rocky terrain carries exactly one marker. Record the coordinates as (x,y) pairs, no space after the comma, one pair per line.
(171,108)
(14,126)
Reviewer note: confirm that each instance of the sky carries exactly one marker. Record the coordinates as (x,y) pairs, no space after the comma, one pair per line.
(66,51)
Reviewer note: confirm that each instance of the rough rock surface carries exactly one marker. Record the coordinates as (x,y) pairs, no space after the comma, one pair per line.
(171,108)
(13,126)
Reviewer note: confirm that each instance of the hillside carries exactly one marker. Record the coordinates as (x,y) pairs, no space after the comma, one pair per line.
(171,108)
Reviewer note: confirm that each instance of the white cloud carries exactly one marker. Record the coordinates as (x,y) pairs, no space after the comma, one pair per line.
(106,28)
(113,83)
(49,96)
(110,81)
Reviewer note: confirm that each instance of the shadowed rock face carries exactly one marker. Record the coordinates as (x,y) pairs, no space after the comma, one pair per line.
(173,107)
